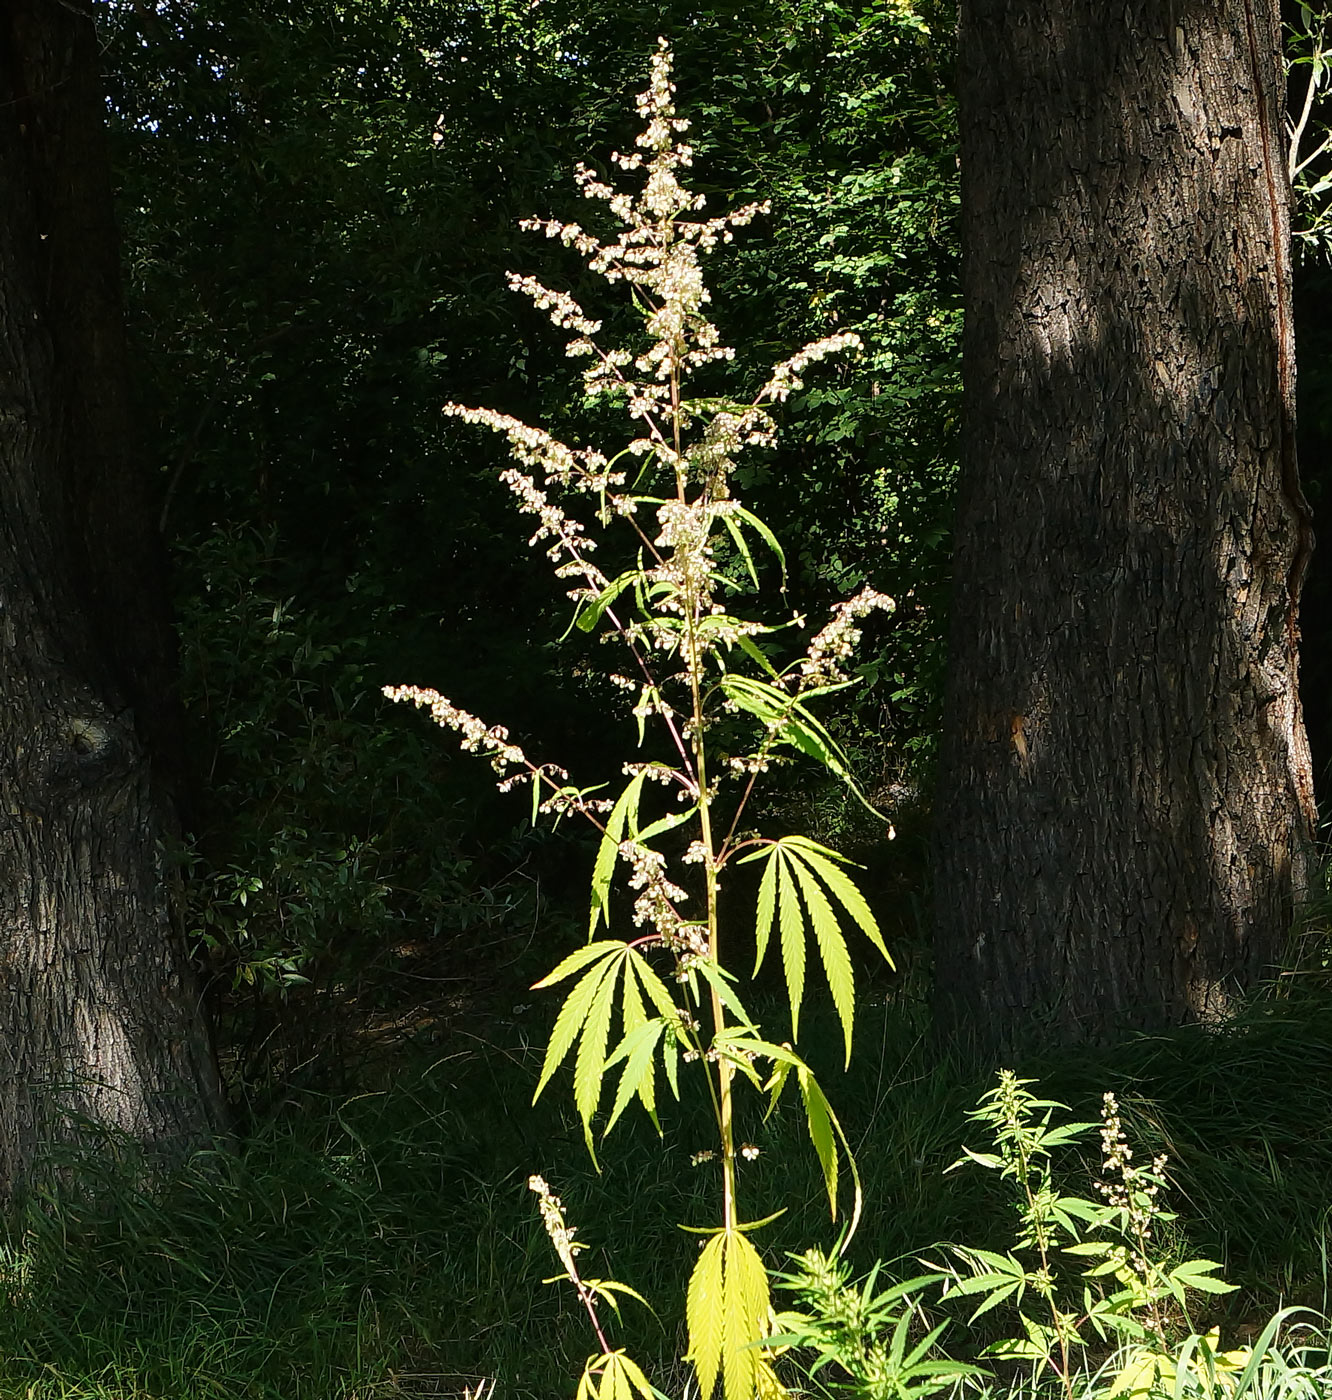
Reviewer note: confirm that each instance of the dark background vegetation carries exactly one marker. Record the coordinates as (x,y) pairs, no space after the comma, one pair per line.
(318,207)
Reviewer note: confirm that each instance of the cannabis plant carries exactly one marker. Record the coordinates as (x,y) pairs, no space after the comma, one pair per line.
(1077,1264)
(652,994)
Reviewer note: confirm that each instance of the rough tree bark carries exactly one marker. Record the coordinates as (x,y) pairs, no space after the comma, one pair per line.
(99,1019)
(1125,791)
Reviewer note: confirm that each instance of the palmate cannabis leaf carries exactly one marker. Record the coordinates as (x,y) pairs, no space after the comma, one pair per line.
(611,1375)
(743,1049)
(585,1020)
(789,722)
(728,1313)
(798,878)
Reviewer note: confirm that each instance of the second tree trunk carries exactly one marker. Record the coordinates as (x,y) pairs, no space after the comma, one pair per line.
(1125,791)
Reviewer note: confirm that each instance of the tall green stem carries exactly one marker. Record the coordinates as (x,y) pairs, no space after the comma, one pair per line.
(725,1071)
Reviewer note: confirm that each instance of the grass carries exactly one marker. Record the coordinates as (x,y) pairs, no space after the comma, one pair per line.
(385,1244)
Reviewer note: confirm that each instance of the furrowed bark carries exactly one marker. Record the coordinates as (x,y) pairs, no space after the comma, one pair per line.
(100,1024)
(1125,793)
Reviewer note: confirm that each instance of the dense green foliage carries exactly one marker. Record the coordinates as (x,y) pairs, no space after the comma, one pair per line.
(319,209)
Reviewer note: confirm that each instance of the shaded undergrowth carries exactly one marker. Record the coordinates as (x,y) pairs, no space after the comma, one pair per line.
(385,1244)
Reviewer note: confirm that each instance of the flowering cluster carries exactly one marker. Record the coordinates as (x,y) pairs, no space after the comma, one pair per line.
(657,252)
(1127,1188)
(785,378)
(477,736)
(583,469)
(658,899)
(830,649)
(552,1217)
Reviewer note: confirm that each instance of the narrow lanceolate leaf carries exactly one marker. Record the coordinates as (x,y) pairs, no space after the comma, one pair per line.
(625,810)
(720,981)
(589,952)
(818,1117)
(843,889)
(742,547)
(746,1304)
(704,1309)
(652,984)
(663,824)
(590,1064)
(828,1137)
(590,614)
(587,1389)
(634,1375)
(637,1050)
(791,920)
(767,905)
(752,650)
(744,1044)
(791,723)
(670,1058)
(615,1386)
(832,950)
(631,1001)
(765,534)
(573,1014)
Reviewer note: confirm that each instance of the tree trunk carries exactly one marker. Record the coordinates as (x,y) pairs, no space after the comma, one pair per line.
(99,1018)
(1125,788)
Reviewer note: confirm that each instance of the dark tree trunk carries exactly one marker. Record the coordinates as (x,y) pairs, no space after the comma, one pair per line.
(99,1019)
(1125,792)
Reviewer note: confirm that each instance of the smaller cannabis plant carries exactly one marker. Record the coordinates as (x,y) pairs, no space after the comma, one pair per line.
(659,997)
(1077,1264)
(1086,1276)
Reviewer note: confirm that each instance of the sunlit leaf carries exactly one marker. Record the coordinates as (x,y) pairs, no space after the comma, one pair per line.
(573,1014)
(763,532)
(832,950)
(767,905)
(818,1117)
(590,1063)
(720,981)
(791,920)
(746,1305)
(704,1305)
(727,1312)
(590,614)
(656,989)
(738,539)
(843,888)
(637,1049)
(625,809)
(589,952)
